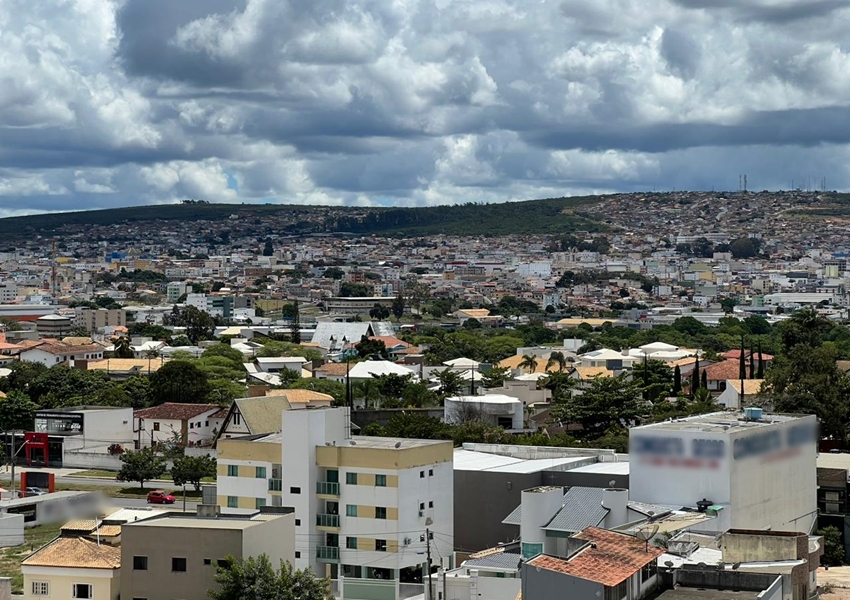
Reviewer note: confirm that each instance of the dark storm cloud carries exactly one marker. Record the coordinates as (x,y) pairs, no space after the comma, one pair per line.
(786,11)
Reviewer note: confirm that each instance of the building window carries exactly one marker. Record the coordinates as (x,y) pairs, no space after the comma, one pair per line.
(380,480)
(295,490)
(233,470)
(40,588)
(156,425)
(351,543)
(232,502)
(82,590)
(140,563)
(206,423)
(260,472)
(191,425)
(351,478)
(297,554)
(380,512)
(380,545)
(259,502)
(430,472)
(237,418)
(298,522)
(430,504)
(422,474)
(350,510)
(421,506)
(178,565)
(207,561)
(223,563)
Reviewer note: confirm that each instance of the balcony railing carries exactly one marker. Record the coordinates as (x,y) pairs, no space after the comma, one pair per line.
(275,485)
(327,553)
(327,488)
(327,520)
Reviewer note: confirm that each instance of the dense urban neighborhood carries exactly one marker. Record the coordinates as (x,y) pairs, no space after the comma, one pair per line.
(650,401)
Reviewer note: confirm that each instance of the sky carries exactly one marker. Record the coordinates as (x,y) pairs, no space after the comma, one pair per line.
(107,103)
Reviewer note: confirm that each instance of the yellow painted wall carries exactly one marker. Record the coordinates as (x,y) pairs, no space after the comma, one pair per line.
(368,544)
(241,450)
(60,586)
(383,458)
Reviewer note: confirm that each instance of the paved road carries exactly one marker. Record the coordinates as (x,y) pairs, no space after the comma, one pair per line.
(140,503)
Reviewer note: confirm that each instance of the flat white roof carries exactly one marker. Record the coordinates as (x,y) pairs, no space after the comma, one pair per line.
(719,421)
(467,460)
(487,399)
(613,468)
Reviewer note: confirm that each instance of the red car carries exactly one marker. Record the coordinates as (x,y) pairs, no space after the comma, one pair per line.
(160,497)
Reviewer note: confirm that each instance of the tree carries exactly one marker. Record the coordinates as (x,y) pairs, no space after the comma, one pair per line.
(451,382)
(557,358)
(694,379)
(391,385)
(752,364)
(295,325)
(192,469)
(379,312)
(254,578)
(743,248)
(123,348)
(333,273)
(742,362)
(268,248)
(141,466)
(367,347)
(608,402)
(529,362)
(353,290)
(496,377)
(833,547)
(760,372)
(181,341)
(677,381)
(323,386)
(654,378)
(398,307)
(179,381)
(17,411)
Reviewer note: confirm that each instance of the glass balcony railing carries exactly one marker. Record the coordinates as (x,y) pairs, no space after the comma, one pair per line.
(327,520)
(328,553)
(327,488)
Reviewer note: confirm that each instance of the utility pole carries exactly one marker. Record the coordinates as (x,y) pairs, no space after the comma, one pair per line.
(13,464)
(430,595)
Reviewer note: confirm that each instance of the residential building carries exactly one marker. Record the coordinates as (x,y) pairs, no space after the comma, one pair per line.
(738,394)
(54,326)
(175,555)
(73,567)
(192,424)
(54,354)
(360,305)
(94,320)
(496,409)
(362,504)
(753,470)
(253,416)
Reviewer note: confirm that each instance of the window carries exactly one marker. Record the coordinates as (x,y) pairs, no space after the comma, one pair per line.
(178,565)
(350,510)
(295,490)
(421,506)
(259,502)
(351,543)
(380,480)
(206,423)
(156,425)
(140,563)
(422,474)
(40,588)
(207,561)
(191,425)
(380,512)
(237,418)
(297,554)
(430,472)
(233,470)
(430,504)
(232,502)
(222,562)
(380,545)
(351,478)
(260,473)
(298,522)
(82,590)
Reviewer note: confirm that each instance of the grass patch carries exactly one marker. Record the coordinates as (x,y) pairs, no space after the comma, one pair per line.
(10,558)
(111,475)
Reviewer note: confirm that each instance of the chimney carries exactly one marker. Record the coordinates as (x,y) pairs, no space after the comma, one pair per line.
(616,500)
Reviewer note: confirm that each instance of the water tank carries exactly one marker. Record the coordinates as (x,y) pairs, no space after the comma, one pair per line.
(616,500)
(702,505)
(539,505)
(753,413)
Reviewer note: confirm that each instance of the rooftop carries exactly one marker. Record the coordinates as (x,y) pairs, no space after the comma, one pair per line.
(718,422)
(175,411)
(75,552)
(190,521)
(683,593)
(388,443)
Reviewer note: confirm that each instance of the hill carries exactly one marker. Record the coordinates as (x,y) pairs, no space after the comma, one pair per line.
(555,215)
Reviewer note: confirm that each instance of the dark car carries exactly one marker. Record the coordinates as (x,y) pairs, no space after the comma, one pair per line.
(160,497)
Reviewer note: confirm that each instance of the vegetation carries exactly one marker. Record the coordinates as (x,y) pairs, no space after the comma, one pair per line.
(257,579)
(141,466)
(10,558)
(193,469)
(833,547)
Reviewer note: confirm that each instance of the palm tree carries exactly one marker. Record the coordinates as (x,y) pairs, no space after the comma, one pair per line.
(122,347)
(529,361)
(557,358)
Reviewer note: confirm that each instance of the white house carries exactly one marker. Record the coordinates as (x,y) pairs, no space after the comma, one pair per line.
(497,409)
(54,354)
(194,423)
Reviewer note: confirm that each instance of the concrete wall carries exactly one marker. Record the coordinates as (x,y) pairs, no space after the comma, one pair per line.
(76,459)
(753,546)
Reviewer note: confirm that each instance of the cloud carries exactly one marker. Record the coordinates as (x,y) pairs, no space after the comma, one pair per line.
(409,102)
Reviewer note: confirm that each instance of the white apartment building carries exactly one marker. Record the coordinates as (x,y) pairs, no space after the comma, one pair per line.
(362,504)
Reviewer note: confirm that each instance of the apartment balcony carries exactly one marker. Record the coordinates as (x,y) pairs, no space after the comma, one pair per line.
(275,485)
(327,522)
(329,554)
(327,489)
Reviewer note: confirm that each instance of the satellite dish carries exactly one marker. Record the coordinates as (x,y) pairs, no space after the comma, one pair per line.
(736,566)
(646,533)
(352,442)
(397,445)
(668,563)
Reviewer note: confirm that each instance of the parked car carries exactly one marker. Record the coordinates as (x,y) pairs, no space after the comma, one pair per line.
(34,491)
(160,497)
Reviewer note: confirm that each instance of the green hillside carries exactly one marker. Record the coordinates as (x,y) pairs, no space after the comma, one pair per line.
(556,215)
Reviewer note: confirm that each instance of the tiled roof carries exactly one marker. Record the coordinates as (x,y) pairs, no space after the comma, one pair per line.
(62,349)
(332,369)
(591,372)
(220,414)
(175,411)
(498,560)
(610,559)
(723,371)
(262,414)
(736,354)
(301,396)
(80,525)
(127,364)
(751,386)
(77,341)
(512,362)
(75,552)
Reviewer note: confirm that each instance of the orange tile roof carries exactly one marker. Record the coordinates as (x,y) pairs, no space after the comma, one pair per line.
(724,370)
(611,559)
(175,411)
(332,369)
(75,552)
(301,396)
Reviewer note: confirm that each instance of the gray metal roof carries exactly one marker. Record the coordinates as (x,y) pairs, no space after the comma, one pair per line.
(500,560)
(582,508)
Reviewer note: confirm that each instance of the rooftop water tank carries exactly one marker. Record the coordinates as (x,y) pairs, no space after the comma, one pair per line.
(753,412)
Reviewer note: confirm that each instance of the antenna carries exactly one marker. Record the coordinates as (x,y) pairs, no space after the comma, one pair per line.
(646,534)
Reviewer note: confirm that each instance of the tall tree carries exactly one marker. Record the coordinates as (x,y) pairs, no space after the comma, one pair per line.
(760,373)
(123,348)
(295,325)
(451,382)
(256,579)
(694,379)
(398,306)
(704,380)
(752,364)
(677,381)
(179,381)
(608,402)
(557,358)
(141,466)
(742,362)
(17,411)
(529,362)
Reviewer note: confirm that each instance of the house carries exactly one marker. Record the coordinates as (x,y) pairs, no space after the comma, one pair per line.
(609,359)
(496,409)
(253,416)
(599,564)
(375,368)
(50,354)
(335,336)
(732,396)
(362,504)
(194,424)
(276,364)
(73,566)
(492,574)
(176,554)
(121,369)
(303,398)
(719,373)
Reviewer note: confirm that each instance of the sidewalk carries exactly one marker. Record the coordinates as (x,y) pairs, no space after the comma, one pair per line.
(838,577)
